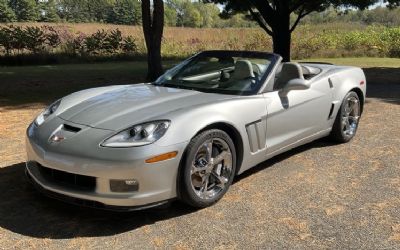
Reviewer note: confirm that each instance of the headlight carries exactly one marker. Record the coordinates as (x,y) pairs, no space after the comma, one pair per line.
(139,135)
(47,112)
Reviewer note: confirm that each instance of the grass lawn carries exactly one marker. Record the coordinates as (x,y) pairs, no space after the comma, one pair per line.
(29,85)
(363,62)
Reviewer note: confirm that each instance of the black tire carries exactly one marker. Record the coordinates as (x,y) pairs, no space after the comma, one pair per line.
(338,133)
(186,189)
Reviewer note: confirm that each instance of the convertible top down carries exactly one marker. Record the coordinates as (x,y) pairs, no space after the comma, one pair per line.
(188,134)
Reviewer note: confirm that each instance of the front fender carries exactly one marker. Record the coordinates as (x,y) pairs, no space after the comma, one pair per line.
(236,112)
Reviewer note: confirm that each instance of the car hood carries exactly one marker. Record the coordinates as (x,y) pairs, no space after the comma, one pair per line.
(116,108)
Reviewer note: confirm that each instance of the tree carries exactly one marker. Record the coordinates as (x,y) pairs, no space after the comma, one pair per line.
(99,10)
(171,16)
(209,13)
(6,13)
(126,12)
(274,15)
(191,16)
(153,28)
(49,11)
(74,10)
(25,10)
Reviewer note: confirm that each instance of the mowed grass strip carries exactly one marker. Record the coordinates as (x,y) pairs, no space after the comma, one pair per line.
(363,62)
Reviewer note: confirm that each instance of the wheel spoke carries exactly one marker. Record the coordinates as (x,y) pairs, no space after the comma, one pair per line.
(197,170)
(354,106)
(346,124)
(354,118)
(221,180)
(204,187)
(208,145)
(221,157)
(348,108)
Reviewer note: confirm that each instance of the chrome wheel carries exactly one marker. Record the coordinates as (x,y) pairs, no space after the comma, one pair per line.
(211,168)
(350,116)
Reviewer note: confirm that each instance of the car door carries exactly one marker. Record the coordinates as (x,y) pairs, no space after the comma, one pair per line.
(297,114)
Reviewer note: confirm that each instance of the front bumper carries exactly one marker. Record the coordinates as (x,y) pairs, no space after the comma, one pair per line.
(157,181)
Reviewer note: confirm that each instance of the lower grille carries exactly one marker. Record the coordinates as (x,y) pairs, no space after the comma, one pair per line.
(61,178)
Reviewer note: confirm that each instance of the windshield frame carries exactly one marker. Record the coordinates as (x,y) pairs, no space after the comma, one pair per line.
(273,58)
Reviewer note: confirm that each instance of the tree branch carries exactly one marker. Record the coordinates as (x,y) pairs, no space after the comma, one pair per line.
(261,21)
(266,10)
(296,6)
(301,15)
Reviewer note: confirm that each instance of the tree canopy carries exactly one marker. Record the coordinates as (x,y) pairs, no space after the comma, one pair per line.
(6,13)
(126,12)
(25,10)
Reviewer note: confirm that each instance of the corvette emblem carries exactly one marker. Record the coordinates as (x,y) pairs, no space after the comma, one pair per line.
(57,138)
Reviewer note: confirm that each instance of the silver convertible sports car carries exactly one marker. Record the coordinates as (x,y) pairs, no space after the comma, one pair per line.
(188,134)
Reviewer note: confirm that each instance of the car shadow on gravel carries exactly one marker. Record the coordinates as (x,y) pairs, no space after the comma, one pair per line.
(24,211)
(383,84)
(321,143)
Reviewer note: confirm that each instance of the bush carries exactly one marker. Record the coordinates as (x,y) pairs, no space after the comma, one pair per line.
(19,42)
(53,38)
(6,42)
(129,45)
(34,39)
(113,42)
(95,43)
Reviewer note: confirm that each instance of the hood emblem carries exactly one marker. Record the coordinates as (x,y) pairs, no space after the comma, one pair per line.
(57,138)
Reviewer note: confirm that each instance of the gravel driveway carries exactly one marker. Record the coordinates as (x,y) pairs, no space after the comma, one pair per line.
(320,195)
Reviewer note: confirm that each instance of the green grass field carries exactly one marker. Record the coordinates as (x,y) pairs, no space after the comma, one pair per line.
(30,85)
(363,62)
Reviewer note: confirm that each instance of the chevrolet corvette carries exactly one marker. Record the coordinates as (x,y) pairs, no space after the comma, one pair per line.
(188,134)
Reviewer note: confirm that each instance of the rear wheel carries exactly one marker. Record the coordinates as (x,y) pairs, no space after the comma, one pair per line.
(208,168)
(347,120)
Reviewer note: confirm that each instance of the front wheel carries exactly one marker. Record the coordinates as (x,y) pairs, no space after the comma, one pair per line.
(208,168)
(347,120)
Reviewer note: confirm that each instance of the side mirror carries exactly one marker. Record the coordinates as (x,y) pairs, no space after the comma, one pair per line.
(295,84)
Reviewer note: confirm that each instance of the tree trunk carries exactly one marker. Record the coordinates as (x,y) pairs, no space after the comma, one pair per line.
(282,41)
(282,37)
(153,28)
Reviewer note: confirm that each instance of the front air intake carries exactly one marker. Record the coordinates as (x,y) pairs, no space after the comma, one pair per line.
(61,178)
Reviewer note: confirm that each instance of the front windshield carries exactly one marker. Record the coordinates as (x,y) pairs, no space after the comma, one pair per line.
(235,73)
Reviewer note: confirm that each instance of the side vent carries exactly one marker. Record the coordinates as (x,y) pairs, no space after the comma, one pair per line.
(331,112)
(256,132)
(330,83)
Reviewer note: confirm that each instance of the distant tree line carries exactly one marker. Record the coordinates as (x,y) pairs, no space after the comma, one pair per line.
(181,13)
(379,15)
(177,12)
(75,11)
